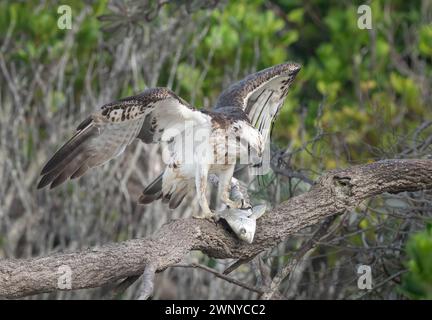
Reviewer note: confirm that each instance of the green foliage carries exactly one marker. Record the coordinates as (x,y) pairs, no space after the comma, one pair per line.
(37,38)
(227,40)
(417,283)
(425,43)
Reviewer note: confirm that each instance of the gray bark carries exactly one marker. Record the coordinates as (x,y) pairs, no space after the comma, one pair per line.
(334,193)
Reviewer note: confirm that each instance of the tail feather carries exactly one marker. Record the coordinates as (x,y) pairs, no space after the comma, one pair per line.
(178,198)
(173,195)
(155,186)
(152,192)
(149,198)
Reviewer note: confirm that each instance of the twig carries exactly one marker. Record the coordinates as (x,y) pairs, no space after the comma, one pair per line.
(237,264)
(221,276)
(397,274)
(122,286)
(147,284)
(304,249)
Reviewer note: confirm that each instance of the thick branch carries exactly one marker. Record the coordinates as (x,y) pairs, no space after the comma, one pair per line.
(334,193)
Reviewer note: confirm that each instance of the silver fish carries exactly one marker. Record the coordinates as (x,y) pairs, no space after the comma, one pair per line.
(243,221)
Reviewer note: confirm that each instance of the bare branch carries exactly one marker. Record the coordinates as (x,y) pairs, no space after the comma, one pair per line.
(304,249)
(222,276)
(334,193)
(147,284)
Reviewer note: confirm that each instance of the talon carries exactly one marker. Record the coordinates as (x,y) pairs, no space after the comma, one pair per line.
(205,215)
(233,204)
(245,205)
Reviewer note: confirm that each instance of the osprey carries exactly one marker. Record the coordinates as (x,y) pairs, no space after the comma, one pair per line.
(198,143)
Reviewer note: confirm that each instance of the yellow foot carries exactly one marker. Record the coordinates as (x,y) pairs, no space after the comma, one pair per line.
(206,215)
(239,204)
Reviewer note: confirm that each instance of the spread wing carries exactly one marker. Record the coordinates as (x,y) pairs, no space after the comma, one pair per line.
(152,116)
(259,95)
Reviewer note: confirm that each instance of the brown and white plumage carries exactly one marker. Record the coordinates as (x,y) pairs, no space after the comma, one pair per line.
(149,116)
(258,99)
(244,112)
(260,95)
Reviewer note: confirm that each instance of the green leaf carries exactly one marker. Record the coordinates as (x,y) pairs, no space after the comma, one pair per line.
(296,15)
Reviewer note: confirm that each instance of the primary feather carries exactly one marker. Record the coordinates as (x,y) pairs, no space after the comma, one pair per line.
(106,133)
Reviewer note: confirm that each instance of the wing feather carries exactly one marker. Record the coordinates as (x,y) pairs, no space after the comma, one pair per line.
(151,116)
(260,95)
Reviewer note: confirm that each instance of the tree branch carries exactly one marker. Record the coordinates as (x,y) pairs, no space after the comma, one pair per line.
(334,193)
(304,249)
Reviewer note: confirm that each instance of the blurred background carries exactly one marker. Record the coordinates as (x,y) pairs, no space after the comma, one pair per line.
(362,95)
